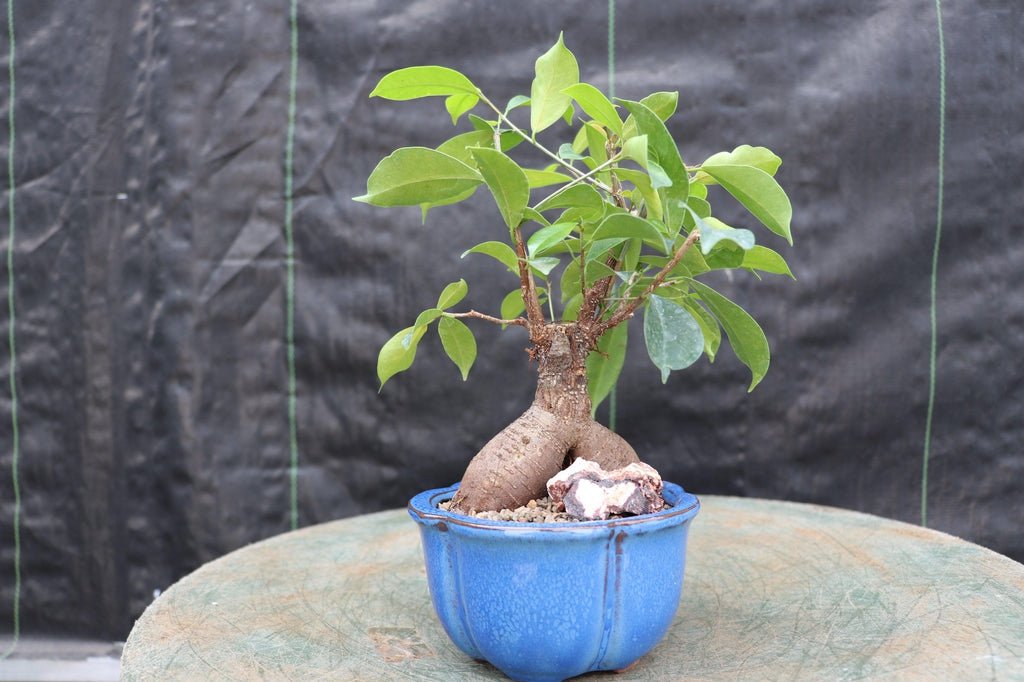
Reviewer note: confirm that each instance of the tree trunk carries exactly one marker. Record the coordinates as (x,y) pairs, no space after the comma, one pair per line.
(514,466)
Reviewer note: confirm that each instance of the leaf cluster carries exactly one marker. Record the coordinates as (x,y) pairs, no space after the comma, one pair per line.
(603,230)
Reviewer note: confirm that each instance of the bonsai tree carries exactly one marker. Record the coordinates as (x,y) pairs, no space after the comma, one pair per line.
(614,225)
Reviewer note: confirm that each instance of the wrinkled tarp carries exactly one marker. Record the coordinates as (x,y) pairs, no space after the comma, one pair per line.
(150,271)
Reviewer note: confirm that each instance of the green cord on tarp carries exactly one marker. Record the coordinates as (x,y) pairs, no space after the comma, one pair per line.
(613,398)
(935,269)
(289,167)
(15,441)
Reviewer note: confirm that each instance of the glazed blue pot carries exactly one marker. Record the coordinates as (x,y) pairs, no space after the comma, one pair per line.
(554,600)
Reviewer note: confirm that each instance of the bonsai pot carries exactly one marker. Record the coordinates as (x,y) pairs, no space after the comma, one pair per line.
(548,601)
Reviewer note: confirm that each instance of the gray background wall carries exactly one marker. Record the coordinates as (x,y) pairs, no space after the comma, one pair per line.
(149,268)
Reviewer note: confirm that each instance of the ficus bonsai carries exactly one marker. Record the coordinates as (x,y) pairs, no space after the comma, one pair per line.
(617,223)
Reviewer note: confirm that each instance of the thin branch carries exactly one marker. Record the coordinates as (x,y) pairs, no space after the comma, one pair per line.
(519,321)
(626,310)
(568,166)
(534,313)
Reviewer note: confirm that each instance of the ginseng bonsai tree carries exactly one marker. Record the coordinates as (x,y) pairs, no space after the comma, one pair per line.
(617,223)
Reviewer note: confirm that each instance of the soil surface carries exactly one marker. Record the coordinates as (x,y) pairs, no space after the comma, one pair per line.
(535,511)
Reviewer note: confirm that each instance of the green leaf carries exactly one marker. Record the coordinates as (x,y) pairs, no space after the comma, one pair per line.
(547,237)
(460,146)
(427,316)
(481,124)
(599,247)
(423,81)
(556,70)
(566,152)
(663,104)
(507,183)
(759,193)
(457,105)
(596,142)
(701,207)
(572,308)
(458,343)
(568,114)
(452,294)
(673,337)
(635,148)
(577,196)
(512,305)
(596,105)
(745,335)
(426,206)
(659,178)
(398,353)
(708,327)
(713,230)
(534,215)
(662,150)
(516,102)
(744,155)
(629,227)
(543,266)
(417,175)
(725,256)
(543,178)
(569,285)
(605,364)
(643,183)
(500,251)
(764,259)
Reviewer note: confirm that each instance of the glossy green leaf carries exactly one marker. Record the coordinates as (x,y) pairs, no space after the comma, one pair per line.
(725,255)
(759,193)
(427,316)
(672,335)
(635,148)
(457,105)
(398,353)
(745,335)
(699,206)
(500,251)
(629,227)
(598,248)
(533,214)
(543,178)
(452,294)
(423,81)
(744,155)
(482,124)
(507,183)
(555,70)
(570,284)
(663,104)
(516,102)
(543,265)
(417,175)
(572,308)
(765,260)
(577,196)
(460,146)
(569,112)
(547,237)
(458,343)
(597,142)
(659,178)
(605,364)
(567,153)
(643,184)
(708,326)
(596,105)
(662,150)
(512,305)
(713,231)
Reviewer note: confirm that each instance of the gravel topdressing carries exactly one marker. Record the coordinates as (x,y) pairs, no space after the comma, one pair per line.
(534,511)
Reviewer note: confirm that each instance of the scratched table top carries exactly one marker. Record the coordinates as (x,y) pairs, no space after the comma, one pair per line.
(774,590)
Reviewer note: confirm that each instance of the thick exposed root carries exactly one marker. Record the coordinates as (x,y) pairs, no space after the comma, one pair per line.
(601,445)
(514,467)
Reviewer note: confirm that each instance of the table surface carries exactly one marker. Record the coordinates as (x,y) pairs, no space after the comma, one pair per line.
(774,590)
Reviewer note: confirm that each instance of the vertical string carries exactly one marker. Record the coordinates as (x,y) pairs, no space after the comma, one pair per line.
(613,397)
(15,440)
(935,269)
(289,169)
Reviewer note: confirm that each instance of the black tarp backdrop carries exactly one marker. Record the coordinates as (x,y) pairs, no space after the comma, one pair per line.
(150,271)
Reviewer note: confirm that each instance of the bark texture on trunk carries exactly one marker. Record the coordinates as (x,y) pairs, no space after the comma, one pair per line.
(514,466)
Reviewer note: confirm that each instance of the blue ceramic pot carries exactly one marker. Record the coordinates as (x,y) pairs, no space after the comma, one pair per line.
(554,600)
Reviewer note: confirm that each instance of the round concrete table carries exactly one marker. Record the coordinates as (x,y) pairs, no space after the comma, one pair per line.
(774,590)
